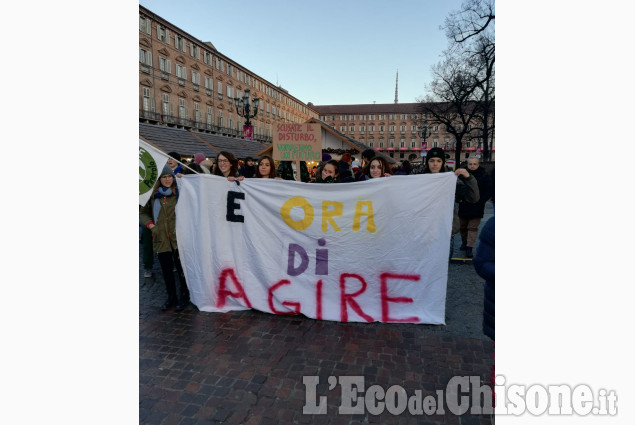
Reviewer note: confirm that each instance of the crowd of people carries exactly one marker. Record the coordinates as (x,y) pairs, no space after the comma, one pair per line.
(474,187)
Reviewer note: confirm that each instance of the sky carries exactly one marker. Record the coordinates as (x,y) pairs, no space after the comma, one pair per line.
(330,52)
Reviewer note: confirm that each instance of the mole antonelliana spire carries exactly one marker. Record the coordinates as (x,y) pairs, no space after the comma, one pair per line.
(396,87)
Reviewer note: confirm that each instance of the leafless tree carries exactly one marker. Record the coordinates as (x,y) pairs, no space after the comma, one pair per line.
(451,99)
(471,35)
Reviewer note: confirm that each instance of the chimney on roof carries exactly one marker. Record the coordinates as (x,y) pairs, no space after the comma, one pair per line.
(396,87)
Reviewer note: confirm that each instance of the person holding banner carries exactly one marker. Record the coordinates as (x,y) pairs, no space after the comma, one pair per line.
(377,167)
(466,184)
(159,216)
(266,168)
(227,166)
(330,172)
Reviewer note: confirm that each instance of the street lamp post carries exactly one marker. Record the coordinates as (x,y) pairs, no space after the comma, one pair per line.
(243,109)
(425,132)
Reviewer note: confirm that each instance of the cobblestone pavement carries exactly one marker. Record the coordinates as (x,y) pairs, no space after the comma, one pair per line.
(247,367)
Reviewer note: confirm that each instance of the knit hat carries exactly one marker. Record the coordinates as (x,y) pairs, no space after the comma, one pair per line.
(166,170)
(436,153)
(326,157)
(175,155)
(198,158)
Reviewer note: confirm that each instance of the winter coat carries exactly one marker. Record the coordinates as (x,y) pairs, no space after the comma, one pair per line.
(164,230)
(484,265)
(466,192)
(285,171)
(477,209)
(247,171)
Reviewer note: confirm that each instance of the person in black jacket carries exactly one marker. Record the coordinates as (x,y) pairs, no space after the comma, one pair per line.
(484,266)
(470,214)
(248,169)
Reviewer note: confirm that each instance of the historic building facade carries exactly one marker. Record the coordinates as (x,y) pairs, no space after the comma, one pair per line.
(393,128)
(184,82)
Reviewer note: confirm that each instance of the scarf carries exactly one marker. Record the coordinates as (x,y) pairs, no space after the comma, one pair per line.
(156,207)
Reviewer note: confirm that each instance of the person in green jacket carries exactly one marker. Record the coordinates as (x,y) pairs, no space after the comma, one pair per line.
(159,216)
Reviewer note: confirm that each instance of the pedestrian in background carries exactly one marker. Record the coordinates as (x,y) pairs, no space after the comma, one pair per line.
(248,169)
(174,162)
(471,213)
(159,216)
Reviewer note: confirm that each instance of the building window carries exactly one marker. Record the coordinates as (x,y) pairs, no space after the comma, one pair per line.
(381,143)
(403,116)
(391,116)
(371,128)
(370,143)
(148,104)
(166,68)
(220,118)
(195,51)
(181,73)
(382,116)
(166,105)
(196,78)
(381,129)
(210,116)
(391,143)
(342,129)
(145,25)
(145,57)
(351,129)
(413,143)
(163,34)
(179,42)
(402,143)
(391,128)
(209,85)
(220,90)
(207,57)
(435,143)
(183,112)
(371,117)
(402,128)
(362,128)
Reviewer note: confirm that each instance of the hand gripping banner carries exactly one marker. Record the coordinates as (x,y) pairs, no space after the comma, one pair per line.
(352,252)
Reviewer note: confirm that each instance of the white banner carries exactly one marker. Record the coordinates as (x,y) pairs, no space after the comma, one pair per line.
(352,252)
(151,162)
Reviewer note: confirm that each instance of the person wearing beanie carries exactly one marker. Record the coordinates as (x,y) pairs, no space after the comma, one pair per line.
(159,216)
(198,158)
(466,184)
(174,162)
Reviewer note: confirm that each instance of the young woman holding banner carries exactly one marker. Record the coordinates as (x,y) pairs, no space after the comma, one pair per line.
(329,172)
(159,216)
(266,168)
(377,167)
(227,166)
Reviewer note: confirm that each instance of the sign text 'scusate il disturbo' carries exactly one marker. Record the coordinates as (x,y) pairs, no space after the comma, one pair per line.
(297,142)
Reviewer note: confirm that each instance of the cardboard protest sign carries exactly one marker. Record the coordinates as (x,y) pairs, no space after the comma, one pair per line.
(368,251)
(297,142)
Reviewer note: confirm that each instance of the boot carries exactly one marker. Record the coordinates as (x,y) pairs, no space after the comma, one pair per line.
(468,252)
(463,246)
